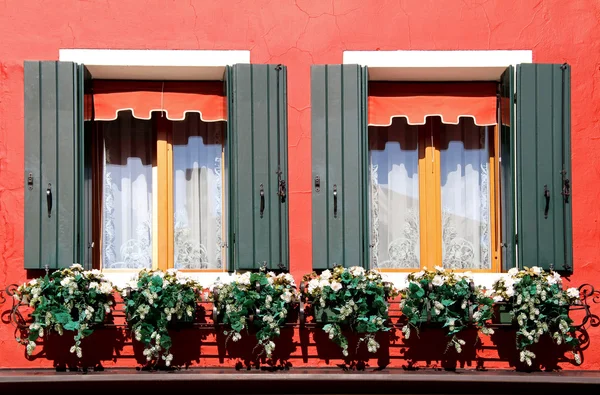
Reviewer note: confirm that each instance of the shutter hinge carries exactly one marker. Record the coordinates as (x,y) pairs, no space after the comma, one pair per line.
(282,190)
(233,238)
(515,98)
(516,239)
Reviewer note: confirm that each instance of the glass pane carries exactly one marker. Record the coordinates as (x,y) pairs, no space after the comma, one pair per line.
(129,146)
(394,195)
(464,156)
(198,193)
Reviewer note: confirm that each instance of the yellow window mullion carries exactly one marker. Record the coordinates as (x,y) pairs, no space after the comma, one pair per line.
(430,195)
(163,232)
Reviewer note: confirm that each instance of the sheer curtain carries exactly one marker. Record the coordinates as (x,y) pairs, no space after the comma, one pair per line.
(198,192)
(394,195)
(129,146)
(464,156)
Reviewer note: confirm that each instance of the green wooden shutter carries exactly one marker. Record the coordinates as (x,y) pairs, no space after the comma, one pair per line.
(339,160)
(507,160)
(544,166)
(258,166)
(52,164)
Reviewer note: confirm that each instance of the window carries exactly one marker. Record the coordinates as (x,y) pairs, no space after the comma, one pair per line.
(431,195)
(154,188)
(460,193)
(156,171)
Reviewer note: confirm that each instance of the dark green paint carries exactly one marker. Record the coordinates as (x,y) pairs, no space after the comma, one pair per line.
(507,162)
(339,132)
(258,137)
(543,149)
(52,156)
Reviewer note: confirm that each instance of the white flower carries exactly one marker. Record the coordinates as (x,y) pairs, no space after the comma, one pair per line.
(536,270)
(513,271)
(498,298)
(66,281)
(357,271)
(554,278)
(438,280)
(77,266)
(313,285)
(439,269)
(244,279)
(106,288)
(336,286)
(94,285)
(286,296)
(418,275)
(326,275)
(510,291)
(573,293)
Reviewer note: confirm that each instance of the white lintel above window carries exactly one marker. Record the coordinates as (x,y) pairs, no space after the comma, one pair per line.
(486,65)
(164,65)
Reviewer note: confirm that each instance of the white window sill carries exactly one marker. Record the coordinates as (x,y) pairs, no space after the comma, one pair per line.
(121,278)
(400,280)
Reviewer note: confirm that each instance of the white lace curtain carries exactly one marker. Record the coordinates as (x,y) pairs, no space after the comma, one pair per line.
(198,190)
(465,199)
(394,157)
(129,187)
(129,146)
(464,157)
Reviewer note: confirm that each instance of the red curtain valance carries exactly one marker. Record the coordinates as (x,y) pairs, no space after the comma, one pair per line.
(417,101)
(175,98)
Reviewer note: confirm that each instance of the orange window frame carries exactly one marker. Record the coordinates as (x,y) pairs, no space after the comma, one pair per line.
(430,207)
(163,221)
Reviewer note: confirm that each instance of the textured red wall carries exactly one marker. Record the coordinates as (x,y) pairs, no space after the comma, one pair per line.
(300,33)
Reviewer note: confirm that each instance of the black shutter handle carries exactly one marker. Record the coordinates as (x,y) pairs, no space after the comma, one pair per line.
(262,200)
(49,199)
(334,201)
(547,196)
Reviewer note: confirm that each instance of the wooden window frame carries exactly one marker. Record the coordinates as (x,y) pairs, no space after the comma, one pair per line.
(163,218)
(430,207)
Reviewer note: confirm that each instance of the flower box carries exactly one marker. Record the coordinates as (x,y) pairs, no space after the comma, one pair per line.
(326,315)
(502,314)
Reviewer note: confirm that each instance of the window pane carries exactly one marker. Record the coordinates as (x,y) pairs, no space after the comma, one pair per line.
(464,155)
(129,145)
(394,195)
(198,193)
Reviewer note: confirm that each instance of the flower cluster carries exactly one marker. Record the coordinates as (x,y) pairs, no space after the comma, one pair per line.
(448,298)
(539,305)
(351,296)
(154,300)
(70,299)
(265,296)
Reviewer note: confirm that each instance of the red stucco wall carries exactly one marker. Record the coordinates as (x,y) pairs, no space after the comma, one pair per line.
(300,33)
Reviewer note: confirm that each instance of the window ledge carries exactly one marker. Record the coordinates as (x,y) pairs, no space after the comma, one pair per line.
(400,280)
(319,380)
(122,277)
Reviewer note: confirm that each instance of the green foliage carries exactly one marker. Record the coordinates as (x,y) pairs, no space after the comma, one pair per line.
(154,301)
(450,301)
(358,299)
(266,296)
(70,299)
(540,306)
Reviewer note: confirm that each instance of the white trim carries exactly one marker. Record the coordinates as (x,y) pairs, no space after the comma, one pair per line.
(121,278)
(159,110)
(485,280)
(437,65)
(155,64)
(441,116)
